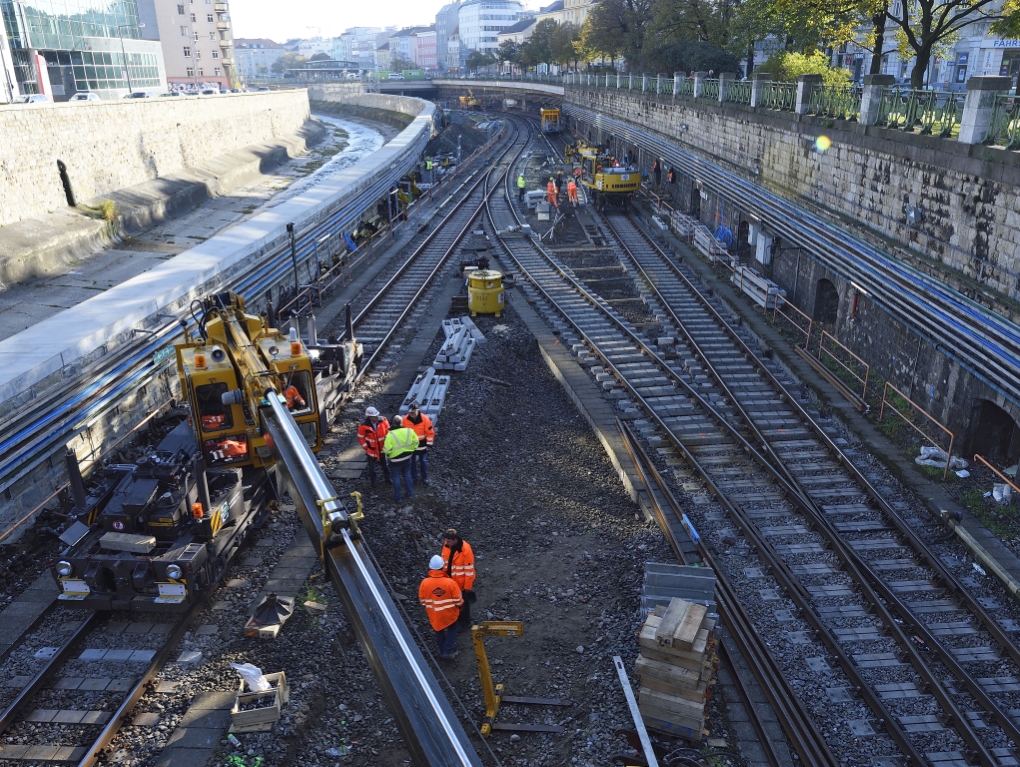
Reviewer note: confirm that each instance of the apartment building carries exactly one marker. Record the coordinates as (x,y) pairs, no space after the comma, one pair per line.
(197,42)
(357,44)
(255,57)
(446,24)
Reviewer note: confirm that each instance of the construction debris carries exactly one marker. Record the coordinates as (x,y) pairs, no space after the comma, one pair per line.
(429,391)
(461,338)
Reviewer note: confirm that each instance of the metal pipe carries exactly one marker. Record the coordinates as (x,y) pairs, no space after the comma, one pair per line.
(198,466)
(313,339)
(433,735)
(75,480)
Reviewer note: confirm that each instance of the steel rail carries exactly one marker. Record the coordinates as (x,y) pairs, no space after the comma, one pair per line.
(960,320)
(68,410)
(798,725)
(821,521)
(433,735)
(780,568)
(138,690)
(421,290)
(29,691)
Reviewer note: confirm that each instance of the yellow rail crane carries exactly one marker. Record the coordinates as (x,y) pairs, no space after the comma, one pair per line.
(225,373)
(608,182)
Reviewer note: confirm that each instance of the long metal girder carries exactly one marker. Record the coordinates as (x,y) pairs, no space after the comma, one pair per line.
(431,731)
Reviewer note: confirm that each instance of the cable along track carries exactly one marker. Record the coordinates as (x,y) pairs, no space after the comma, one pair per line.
(838,550)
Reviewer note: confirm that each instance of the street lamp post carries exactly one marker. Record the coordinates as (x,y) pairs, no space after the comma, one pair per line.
(127,67)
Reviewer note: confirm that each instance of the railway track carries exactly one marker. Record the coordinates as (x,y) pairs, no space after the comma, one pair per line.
(31,436)
(60,711)
(918,658)
(78,694)
(379,317)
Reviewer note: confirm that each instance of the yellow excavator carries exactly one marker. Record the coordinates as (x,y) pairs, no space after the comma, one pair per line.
(470,101)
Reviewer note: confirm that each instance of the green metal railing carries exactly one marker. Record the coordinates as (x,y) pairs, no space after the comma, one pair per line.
(739,92)
(667,86)
(709,89)
(929,113)
(840,102)
(1004,128)
(686,88)
(779,96)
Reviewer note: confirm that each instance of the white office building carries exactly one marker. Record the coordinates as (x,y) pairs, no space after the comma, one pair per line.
(480,21)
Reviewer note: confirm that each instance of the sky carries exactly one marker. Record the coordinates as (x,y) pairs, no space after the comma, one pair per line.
(327,18)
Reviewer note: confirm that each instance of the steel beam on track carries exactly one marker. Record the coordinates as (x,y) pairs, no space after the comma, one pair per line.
(433,735)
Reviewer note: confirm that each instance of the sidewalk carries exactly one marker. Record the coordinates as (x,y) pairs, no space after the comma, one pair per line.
(993,555)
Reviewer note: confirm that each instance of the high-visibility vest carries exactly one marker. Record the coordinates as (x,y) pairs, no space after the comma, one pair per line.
(441,596)
(428,165)
(400,444)
(463,568)
(571,187)
(423,428)
(520,182)
(371,436)
(293,397)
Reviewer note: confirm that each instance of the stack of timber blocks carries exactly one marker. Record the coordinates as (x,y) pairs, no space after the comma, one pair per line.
(676,668)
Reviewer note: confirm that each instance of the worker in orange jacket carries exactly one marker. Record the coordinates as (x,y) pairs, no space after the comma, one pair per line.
(459,563)
(441,596)
(550,194)
(572,192)
(371,434)
(291,394)
(426,432)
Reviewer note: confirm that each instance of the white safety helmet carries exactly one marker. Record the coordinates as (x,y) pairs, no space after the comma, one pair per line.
(371,412)
(436,563)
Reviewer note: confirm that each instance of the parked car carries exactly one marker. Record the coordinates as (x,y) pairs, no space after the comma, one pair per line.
(85,96)
(35,98)
(171,93)
(139,95)
(263,88)
(209,92)
(396,77)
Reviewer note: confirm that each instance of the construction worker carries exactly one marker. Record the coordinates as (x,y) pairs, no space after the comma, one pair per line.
(371,434)
(550,193)
(440,595)
(459,564)
(422,426)
(572,192)
(657,171)
(559,181)
(399,447)
(521,187)
(291,394)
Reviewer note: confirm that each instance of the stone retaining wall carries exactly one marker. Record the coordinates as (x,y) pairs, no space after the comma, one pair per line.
(112,145)
(969,231)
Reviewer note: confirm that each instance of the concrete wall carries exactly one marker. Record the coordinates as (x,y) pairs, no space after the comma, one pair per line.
(970,231)
(111,145)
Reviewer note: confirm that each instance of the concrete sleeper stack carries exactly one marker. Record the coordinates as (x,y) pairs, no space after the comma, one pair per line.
(676,668)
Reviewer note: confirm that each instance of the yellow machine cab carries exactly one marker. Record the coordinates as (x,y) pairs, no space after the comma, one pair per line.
(608,181)
(226,373)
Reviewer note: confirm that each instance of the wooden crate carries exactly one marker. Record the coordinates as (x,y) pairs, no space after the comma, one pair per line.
(256,719)
(277,679)
(262,715)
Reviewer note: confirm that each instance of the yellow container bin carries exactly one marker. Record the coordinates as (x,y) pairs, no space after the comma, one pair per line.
(485,292)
